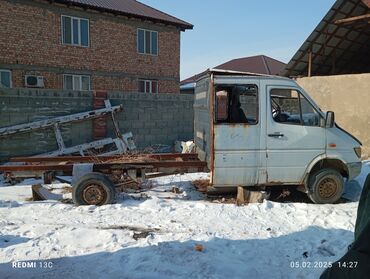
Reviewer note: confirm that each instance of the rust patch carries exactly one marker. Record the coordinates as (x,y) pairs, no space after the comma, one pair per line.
(212,113)
(272,183)
(199,248)
(222,105)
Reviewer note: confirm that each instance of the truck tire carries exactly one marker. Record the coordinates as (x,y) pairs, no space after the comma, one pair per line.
(325,186)
(93,189)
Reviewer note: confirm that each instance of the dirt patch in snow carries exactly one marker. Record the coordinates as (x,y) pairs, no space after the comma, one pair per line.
(201,185)
(138,232)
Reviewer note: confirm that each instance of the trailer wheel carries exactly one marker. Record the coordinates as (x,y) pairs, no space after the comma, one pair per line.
(93,189)
(325,186)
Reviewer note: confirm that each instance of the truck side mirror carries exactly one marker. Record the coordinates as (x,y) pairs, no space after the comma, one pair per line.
(222,105)
(330,119)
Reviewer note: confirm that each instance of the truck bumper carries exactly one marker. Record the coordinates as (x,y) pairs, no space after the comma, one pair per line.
(354,169)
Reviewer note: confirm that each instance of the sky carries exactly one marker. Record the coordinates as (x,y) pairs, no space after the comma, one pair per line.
(229,29)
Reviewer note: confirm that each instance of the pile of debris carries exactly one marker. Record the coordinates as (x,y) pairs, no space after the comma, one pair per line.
(107,146)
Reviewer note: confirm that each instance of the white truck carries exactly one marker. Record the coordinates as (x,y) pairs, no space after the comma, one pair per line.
(258,130)
(250,131)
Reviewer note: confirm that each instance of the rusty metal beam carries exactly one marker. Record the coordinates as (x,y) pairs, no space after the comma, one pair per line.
(92,159)
(107,166)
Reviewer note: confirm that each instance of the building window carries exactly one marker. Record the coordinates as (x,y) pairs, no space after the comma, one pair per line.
(5,79)
(148,86)
(75,31)
(76,82)
(147,42)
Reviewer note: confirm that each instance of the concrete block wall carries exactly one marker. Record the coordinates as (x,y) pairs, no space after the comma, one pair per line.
(155,118)
(152,118)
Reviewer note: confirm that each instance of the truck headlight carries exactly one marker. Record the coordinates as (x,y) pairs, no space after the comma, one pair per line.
(358,152)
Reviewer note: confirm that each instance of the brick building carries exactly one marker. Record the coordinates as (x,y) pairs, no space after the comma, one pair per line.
(120,45)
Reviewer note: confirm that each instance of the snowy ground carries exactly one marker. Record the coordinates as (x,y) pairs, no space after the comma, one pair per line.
(153,235)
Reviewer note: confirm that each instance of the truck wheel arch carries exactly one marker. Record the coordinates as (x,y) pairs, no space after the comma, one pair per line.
(322,162)
(325,186)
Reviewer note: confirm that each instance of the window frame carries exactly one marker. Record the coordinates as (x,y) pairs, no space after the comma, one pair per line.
(151,42)
(72,32)
(73,82)
(216,122)
(10,77)
(150,85)
(300,95)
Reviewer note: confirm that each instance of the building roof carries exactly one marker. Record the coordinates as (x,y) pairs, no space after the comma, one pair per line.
(340,44)
(130,8)
(193,79)
(259,64)
(221,72)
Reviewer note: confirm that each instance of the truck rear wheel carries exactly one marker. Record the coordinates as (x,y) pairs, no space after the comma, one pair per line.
(325,186)
(93,189)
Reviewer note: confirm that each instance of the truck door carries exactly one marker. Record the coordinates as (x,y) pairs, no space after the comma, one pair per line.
(294,135)
(239,154)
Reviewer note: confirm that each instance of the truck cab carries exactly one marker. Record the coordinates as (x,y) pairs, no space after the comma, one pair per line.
(258,130)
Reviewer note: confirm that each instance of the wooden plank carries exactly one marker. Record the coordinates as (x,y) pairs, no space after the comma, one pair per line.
(366,2)
(352,19)
(309,63)
(245,196)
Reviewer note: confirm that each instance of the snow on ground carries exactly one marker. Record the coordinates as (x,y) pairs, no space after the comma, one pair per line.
(154,234)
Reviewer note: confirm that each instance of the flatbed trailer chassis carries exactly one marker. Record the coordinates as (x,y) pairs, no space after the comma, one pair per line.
(96,179)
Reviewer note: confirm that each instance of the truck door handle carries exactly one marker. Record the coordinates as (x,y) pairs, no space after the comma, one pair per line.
(276,135)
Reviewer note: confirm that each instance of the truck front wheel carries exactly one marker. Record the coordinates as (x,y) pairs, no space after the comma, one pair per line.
(93,189)
(325,186)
